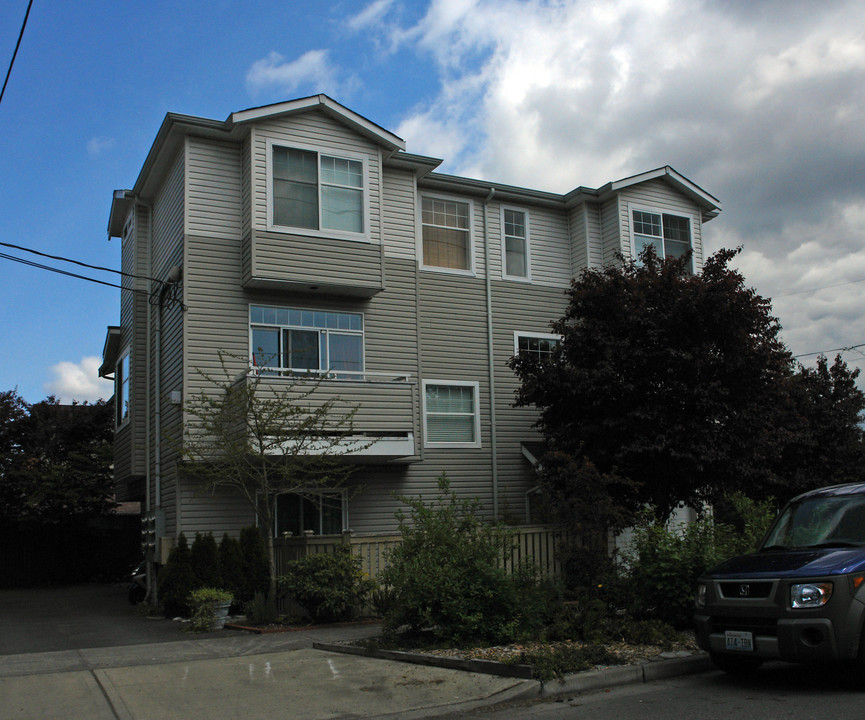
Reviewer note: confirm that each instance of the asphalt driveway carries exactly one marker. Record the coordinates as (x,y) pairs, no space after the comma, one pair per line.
(80,616)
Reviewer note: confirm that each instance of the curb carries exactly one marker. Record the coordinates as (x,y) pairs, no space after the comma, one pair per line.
(612,676)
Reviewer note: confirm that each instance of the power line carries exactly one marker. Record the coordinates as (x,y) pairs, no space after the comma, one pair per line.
(824,287)
(82,264)
(823,352)
(14,54)
(172,298)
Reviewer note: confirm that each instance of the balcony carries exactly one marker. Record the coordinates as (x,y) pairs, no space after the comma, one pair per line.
(384,427)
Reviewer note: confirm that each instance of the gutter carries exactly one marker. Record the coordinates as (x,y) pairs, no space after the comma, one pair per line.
(491,363)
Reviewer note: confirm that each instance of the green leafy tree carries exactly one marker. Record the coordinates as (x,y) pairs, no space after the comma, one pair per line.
(231,564)
(823,426)
(666,383)
(254,564)
(177,579)
(264,435)
(55,460)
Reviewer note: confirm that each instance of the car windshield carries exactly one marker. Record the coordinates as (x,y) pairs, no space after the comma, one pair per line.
(819,522)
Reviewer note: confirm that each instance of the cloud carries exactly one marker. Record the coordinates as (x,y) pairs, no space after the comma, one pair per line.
(100,145)
(312,70)
(763,104)
(370,16)
(79,381)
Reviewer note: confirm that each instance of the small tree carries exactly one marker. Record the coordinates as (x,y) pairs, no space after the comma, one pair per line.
(263,434)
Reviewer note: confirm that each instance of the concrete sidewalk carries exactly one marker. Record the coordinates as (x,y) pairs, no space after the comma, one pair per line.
(257,676)
(267,676)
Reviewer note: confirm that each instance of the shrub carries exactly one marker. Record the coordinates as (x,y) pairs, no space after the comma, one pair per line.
(665,562)
(205,561)
(262,610)
(446,575)
(231,564)
(177,580)
(256,569)
(328,585)
(202,602)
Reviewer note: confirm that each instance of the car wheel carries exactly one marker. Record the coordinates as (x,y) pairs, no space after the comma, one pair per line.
(735,664)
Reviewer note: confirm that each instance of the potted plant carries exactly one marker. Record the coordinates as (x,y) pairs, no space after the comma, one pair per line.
(209,608)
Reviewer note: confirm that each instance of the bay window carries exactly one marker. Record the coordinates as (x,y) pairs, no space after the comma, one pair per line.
(670,235)
(316,191)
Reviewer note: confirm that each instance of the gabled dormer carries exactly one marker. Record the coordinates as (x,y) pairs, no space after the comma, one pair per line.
(312,177)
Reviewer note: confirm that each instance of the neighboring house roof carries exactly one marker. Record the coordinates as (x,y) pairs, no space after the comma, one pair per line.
(110,351)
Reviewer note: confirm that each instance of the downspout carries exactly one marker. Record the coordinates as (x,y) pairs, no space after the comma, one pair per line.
(491,367)
(150,574)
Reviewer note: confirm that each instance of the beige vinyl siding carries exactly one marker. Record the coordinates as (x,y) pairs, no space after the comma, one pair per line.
(214,189)
(528,312)
(611,242)
(549,247)
(168,216)
(305,261)
(578,227)
(658,195)
(398,215)
(313,129)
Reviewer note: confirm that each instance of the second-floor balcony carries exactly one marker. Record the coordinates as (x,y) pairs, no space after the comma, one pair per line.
(385,409)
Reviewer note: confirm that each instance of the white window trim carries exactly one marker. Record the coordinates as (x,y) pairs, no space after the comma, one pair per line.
(477,414)
(531,334)
(361,333)
(471,272)
(505,276)
(693,222)
(124,421)
(319,151)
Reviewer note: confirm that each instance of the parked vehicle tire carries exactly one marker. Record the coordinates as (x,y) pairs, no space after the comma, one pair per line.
(736,665)
(137,594)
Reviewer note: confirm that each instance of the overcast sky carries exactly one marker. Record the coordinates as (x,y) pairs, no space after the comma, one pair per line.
(760,102)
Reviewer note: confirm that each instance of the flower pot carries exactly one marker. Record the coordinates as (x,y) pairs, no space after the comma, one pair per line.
(220,612)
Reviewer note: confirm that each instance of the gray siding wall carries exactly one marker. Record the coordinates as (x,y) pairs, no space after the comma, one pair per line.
(168,208)
(611,231)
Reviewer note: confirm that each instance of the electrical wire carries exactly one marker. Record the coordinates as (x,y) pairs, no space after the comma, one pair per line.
(823,352)
(82,264)
(824,287)
(30,263)
(14,54)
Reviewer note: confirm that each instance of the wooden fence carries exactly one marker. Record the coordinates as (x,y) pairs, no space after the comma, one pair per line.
(535,544)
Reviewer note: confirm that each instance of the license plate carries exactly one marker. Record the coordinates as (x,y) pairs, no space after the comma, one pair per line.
(738,640)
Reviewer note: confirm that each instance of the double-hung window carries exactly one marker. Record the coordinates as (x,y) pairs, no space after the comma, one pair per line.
(446,233)
(321,513)
(317,191)
(121,389)
(670,235)
(451,417)
(515,240)
(539,345)
(291,340)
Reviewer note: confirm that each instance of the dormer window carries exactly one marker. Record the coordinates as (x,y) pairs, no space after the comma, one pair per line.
(670,235)
(317,192)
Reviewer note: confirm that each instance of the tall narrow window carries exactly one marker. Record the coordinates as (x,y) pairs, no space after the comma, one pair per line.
(451,414)
(516,247)
(314,191)
(121,389)
(446,236)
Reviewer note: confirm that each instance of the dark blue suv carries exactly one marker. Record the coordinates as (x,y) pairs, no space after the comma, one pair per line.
(800,597)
